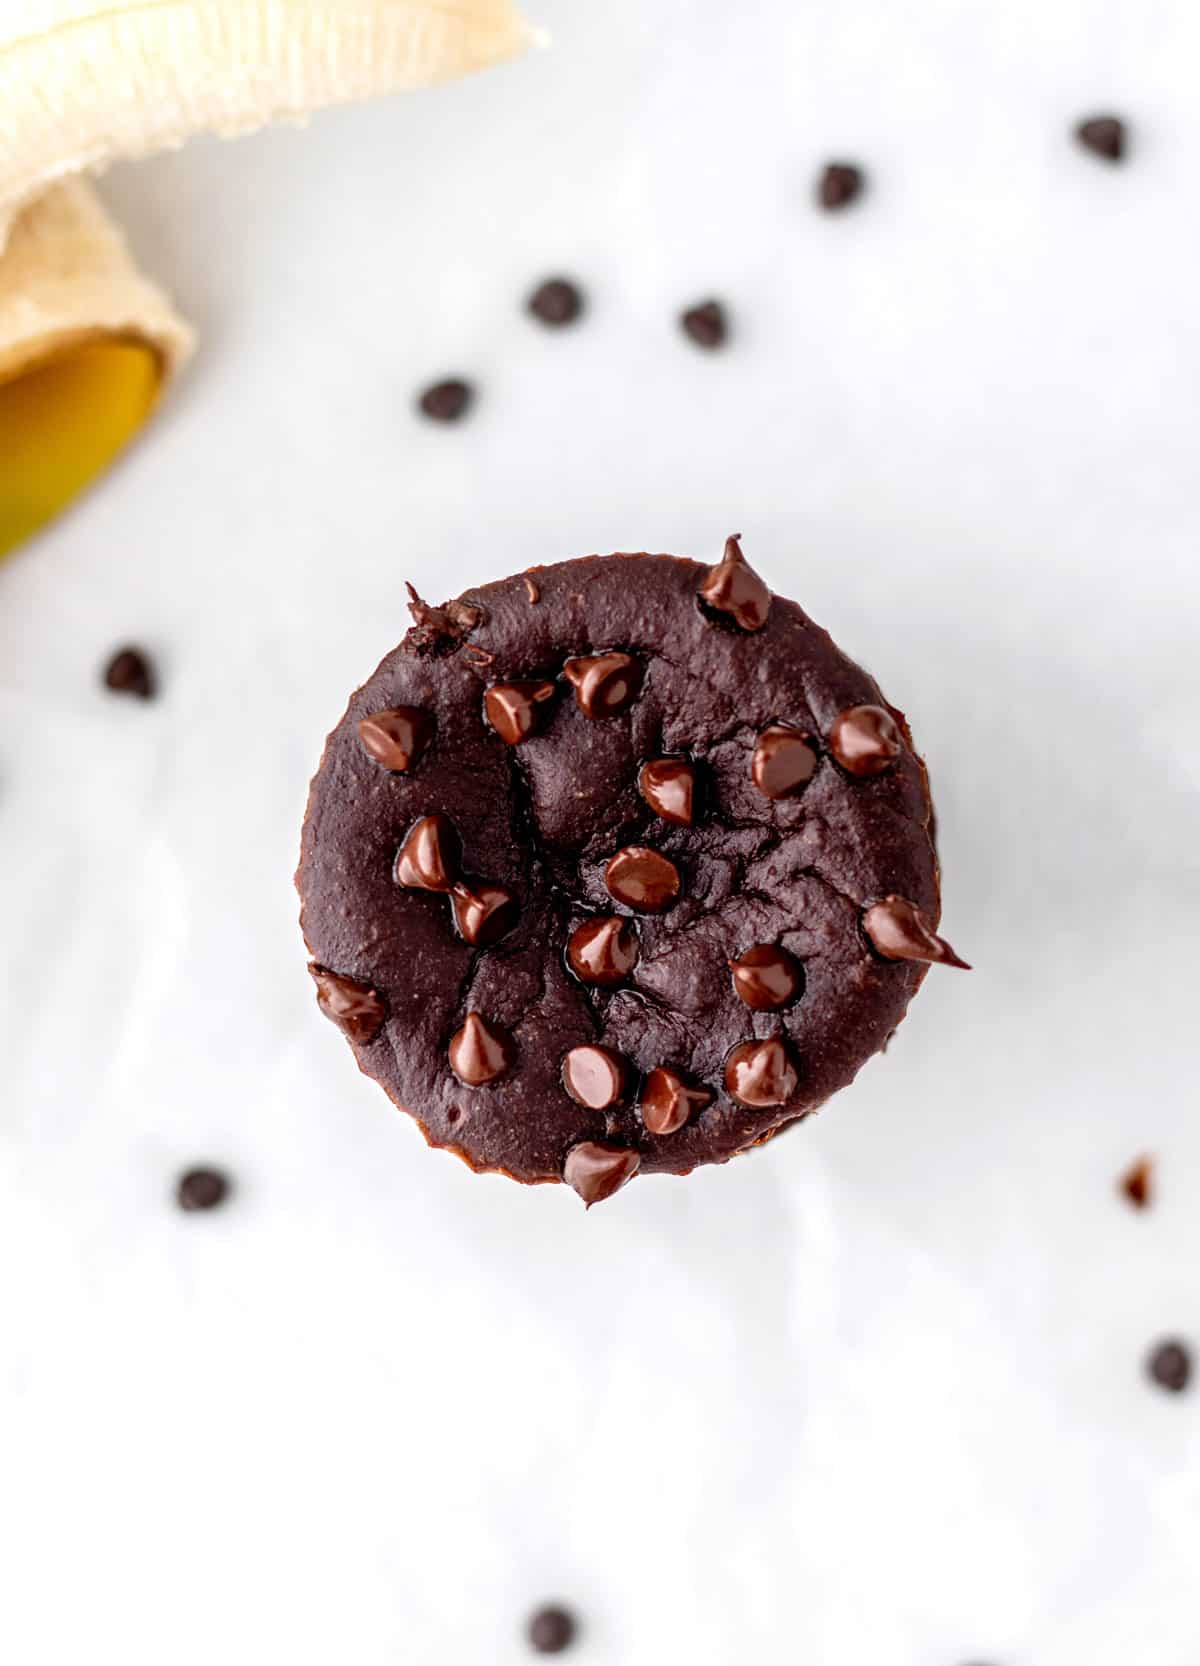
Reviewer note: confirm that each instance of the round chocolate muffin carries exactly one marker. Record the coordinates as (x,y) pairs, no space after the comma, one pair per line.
(617,866)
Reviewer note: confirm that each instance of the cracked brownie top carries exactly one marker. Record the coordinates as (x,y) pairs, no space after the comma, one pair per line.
(617,865)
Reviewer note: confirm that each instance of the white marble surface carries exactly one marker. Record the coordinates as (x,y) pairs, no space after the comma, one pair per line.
(874,1395)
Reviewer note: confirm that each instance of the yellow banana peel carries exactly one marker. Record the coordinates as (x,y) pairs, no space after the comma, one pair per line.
(87,344)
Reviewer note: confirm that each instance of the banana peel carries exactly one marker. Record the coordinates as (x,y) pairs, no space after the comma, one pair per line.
(88,345)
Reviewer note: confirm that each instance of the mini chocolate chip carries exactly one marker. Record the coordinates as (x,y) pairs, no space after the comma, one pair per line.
(551,1630)
(733,588)
(899,931)
(479,1051)
(603,951)
(201,1189)
(784,760)
(839,184)
(556,302)
(1137,1183)
(441,627)
(759,1074)
(129,671)
(483,912)
(642,879)
(865,740)
(1104,136)
(596,1171)
(767,977)
(354,1007)
(594,1076)
(396,738)
(669,787)
(1169,1364)
(461,616)
(669,1100)
(705,324)
(429,858)
(447,401)
(604,684)
(514,709)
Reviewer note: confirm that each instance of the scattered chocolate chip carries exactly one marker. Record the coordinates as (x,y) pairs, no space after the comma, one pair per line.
(642,879)
(447,401)
(767,977)
(201,1189)
(865,740)
(514,709)
(899,931)
(532,591)
(604,684)
(353,1006)
(596,1171)
(396,738)
(733,588)
(669,1100)
(1137,1183)
(556,302)
(1104,136)
(129,671)
(761,1073)
(840,183)
(479,1051)
(1169,1364)
(603,951)
(706,324)
(550,1630)
(669,787)
(784,760)
(483,913)
(594,1076)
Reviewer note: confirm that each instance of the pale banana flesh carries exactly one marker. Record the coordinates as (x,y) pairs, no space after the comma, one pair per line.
(86,343)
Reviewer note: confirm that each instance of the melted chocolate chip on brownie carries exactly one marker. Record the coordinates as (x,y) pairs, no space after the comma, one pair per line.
(621,882)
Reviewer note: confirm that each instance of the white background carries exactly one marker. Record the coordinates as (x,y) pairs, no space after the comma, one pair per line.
(874,1395)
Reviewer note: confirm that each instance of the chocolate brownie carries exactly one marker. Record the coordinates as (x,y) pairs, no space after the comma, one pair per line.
(617,865)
